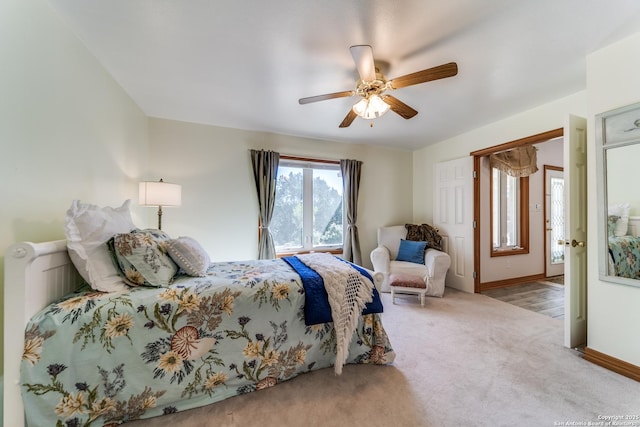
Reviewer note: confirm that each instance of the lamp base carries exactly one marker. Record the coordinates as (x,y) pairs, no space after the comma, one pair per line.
(159,217)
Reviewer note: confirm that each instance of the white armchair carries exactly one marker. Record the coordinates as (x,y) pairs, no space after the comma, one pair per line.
(383,258)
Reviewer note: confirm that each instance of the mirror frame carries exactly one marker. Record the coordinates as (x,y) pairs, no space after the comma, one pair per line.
(612,131)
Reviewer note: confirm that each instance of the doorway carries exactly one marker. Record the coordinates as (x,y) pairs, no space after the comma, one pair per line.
(528,264)
(575,271)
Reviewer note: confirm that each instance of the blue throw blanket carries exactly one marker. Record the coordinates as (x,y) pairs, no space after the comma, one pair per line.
(316,307)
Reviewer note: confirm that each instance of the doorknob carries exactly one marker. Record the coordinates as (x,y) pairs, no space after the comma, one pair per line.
(573,243)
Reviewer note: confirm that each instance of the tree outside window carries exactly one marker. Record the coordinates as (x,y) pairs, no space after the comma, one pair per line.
(308,212)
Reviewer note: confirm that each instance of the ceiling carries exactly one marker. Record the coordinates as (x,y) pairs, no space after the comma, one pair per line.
(245,63)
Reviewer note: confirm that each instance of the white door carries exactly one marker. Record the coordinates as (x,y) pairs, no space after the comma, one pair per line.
(554,220)
(575,271)
(453,216)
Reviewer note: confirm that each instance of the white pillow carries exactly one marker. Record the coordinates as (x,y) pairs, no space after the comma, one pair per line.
(88,228)
(622,225)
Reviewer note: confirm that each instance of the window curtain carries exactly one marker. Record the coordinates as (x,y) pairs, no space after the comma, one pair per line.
(518,162)
(351,184)
(265,172)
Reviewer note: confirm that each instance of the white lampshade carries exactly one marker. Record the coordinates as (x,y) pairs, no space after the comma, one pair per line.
(159,193)
(371,107)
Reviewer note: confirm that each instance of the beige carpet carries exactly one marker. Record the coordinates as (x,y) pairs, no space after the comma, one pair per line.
(463,360)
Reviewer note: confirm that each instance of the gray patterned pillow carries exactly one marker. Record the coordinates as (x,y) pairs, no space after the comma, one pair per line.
(189,255)
(414,232)
(424,233)
(431,236)
(142,259)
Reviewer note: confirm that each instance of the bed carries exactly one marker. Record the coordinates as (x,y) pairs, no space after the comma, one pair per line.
(154,351)
(624,251)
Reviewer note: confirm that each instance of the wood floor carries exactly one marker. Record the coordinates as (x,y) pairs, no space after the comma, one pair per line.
(544,297)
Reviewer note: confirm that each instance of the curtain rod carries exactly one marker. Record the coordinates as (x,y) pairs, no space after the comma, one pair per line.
(308,159)
(304,159)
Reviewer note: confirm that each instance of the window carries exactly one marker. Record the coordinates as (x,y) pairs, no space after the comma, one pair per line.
(509,214)
(556,218)
(308,212)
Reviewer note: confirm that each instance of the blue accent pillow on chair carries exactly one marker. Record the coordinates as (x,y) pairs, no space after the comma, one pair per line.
(411,251)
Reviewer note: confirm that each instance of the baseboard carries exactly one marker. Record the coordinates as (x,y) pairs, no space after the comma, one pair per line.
(511,282)
(616,365)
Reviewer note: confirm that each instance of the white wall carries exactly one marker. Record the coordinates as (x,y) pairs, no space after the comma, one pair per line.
(613,314)
(219,202)
(67,129)
(537,120)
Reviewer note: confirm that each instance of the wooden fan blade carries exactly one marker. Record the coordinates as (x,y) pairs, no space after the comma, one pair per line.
(363,57)
(349,118)
(399,107)
(435,73)
(317,98)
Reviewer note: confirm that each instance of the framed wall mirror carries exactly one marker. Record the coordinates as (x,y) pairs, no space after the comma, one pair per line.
(618,178)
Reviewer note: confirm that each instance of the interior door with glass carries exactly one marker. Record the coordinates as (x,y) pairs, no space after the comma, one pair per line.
(554,220)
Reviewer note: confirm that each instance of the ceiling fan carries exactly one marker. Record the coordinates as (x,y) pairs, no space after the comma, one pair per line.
(373,85)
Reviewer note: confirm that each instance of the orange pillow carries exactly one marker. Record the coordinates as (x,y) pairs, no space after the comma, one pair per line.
(407,281)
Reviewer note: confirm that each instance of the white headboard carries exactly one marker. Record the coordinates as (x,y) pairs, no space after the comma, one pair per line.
(634,225)
(35,275)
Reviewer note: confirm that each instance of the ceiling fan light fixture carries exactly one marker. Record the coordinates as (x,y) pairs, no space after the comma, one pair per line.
(371,107)
(372,83)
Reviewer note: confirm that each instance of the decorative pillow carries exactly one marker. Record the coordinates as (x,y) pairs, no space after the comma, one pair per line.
(414,232)
(622,225)
(88,228)
(142,258)
(424,233)
(407,281)
(431,236)
(612,221)
(189,256)
(411,251)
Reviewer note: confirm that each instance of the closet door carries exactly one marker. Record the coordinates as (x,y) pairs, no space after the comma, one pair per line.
(453,216)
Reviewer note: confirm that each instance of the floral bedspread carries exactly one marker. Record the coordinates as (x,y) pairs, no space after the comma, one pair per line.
(625,253)
(103,359)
